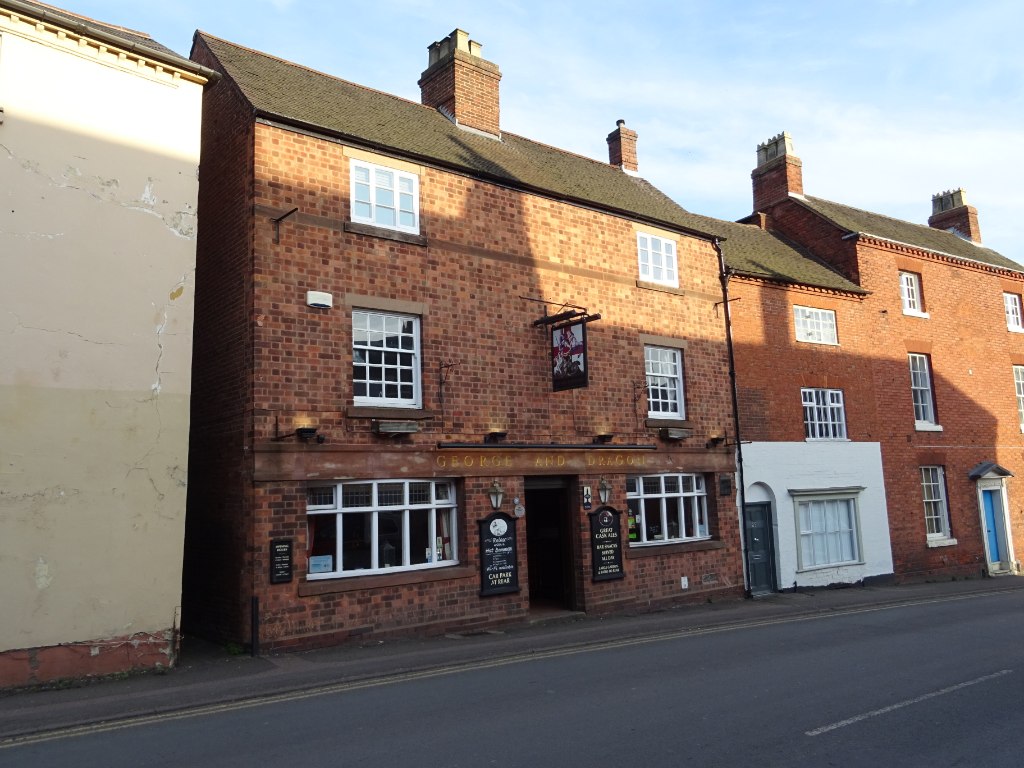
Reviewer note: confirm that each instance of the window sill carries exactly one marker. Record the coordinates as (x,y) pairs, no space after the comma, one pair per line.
(1015,329)
(816,341)
(825,566)
(357,583)
(914,313)
(653,550)
(647,285)
(379,412)
(927,426)
(942,542)
(668,421)
(827,440)
(384,233)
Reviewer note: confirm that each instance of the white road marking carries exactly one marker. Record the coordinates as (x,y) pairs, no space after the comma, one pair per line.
(907,703)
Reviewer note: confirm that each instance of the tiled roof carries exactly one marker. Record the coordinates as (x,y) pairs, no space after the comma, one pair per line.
(917,235)
(286,92)
(753,252)
(84,25)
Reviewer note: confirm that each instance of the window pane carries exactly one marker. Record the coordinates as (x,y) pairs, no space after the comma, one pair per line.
(320,497)
(356,538)
(653,528)
(420,542)
(390,539)
(357,495)
(323,542)
(390,494)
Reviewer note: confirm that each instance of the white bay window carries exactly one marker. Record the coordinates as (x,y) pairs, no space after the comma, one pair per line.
(380,526)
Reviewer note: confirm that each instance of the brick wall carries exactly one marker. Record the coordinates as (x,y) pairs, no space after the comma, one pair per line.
(971,352)
(215,590)
(489,254)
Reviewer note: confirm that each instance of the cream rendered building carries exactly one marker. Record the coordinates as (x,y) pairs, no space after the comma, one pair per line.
(99,153)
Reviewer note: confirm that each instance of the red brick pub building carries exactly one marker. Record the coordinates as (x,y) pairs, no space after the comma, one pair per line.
(445,376)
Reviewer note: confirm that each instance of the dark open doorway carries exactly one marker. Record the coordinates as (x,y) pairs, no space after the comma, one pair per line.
(549,545)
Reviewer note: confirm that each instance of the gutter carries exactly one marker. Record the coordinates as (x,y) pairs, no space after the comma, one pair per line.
(724,273)
(103,35)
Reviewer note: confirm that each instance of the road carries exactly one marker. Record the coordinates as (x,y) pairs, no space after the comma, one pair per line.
(932,684)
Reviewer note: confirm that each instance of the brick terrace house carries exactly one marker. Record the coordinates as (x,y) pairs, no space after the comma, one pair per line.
(394,427)
(918,350)
(97,251)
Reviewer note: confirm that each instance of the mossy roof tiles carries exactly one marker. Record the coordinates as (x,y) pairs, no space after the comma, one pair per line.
(916,235)
(285,92)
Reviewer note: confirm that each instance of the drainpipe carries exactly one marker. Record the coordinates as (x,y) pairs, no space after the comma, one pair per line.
(723,275)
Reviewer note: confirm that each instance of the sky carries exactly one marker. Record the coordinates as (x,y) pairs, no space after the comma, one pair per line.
(887,101)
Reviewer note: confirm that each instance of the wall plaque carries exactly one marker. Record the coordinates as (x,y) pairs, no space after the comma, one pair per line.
(499,555)
(280,561)
(606,544)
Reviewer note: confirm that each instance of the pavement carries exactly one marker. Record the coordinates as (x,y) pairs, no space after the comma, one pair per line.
(208,678)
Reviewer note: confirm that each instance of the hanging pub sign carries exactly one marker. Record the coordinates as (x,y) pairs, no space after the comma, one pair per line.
(606,545)
(569,356)
(569,367)
(499,556)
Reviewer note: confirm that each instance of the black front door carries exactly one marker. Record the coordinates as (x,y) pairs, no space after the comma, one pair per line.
(548,546)
(757,534)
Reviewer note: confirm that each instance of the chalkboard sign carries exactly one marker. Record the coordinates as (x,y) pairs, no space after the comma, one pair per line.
(280,561)
(499,556)
(606,544)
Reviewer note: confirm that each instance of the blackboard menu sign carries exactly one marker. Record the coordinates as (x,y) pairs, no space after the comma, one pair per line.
(606,544)
(280,561)
(499,556)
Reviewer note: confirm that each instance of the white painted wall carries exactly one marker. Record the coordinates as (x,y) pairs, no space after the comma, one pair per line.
(98,183)
(772,469)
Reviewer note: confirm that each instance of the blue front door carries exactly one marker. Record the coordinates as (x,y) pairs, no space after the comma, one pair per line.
(993,520)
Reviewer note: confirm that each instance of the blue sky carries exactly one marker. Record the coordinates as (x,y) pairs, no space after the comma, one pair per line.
(887,101)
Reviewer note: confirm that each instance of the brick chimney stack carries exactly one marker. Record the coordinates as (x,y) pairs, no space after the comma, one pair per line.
(461,85)
(951,212)
(622,148)
(779,173)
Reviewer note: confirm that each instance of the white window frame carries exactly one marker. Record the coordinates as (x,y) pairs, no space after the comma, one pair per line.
(827,524)
(824,413)
(922,392)
(381,345)
(442,525)
(657,259)
(667,503)
(815,326)
(936,504)
(665,374)
(911,296)
(384,197)
(1018,386)
(1012,309)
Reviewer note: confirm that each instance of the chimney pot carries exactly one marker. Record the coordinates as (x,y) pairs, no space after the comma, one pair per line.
(779,172)
(951,212)
(461,85)
(622,148)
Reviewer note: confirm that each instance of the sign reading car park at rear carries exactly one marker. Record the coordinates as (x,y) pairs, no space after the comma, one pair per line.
(499,558)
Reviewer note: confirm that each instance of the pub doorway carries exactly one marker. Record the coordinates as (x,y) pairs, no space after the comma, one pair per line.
(549,544)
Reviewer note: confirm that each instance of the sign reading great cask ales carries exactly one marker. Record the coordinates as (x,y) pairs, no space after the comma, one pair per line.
(606,545)
(499,556)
